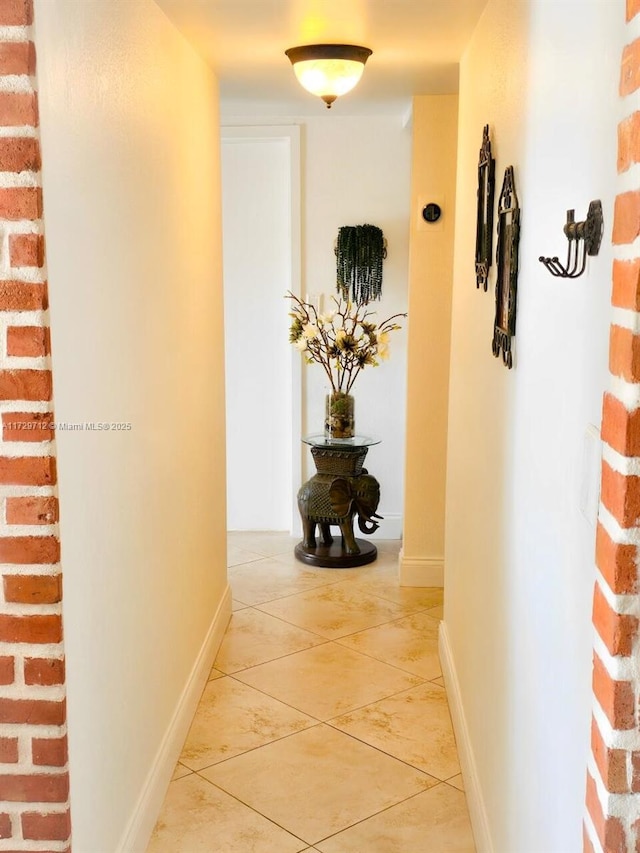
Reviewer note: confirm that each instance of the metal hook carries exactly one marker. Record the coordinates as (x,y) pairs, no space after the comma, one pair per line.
(584,239)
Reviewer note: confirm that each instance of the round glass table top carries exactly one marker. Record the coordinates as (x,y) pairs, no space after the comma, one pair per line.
(320,440)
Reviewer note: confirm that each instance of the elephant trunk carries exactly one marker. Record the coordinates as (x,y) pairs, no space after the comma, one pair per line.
(367,525)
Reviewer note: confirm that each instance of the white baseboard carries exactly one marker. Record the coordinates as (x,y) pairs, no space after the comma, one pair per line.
(420,571)
(135,838)
(475,802)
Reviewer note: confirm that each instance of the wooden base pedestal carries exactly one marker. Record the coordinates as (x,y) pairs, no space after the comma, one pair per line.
(333,557)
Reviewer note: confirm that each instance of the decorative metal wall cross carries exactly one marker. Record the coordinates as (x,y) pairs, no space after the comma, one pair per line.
(484,221)
(507,257)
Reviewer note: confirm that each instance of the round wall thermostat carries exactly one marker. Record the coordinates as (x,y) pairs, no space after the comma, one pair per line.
(431,212)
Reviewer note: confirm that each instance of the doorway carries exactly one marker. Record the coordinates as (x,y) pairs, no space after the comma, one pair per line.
(261,240)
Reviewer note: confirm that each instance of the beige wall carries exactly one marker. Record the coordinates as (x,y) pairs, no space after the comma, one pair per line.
(519,550)
(130,150)
(433,178)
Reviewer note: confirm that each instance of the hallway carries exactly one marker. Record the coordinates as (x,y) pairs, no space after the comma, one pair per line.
(324,724)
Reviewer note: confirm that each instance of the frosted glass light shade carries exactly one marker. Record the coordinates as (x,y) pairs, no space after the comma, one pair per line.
(328,70)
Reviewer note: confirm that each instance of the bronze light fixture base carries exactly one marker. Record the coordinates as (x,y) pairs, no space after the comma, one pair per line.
(333,68)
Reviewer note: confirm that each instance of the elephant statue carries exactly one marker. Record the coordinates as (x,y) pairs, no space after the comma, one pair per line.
(326,499)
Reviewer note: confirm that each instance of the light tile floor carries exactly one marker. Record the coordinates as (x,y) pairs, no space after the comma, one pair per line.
(324,725)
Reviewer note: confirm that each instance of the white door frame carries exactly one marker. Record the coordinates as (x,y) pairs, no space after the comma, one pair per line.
(291,135)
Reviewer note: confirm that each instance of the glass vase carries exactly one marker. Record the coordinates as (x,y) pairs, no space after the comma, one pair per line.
(339,418)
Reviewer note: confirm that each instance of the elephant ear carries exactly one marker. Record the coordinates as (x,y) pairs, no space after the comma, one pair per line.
(341,496)
(368,497)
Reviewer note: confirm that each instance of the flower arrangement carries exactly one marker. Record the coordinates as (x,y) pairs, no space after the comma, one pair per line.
(343,341)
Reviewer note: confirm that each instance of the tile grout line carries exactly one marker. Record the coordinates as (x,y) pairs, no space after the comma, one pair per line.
(379,749)
(251,749)
(320,722)
(333,639)
(246,805)
(344,829)
(326,640)
(313,721)
(437,782)
(328,721)
(315,724)
(382,811)
(421,679)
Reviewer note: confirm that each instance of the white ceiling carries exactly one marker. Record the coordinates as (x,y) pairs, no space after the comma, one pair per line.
(416,47)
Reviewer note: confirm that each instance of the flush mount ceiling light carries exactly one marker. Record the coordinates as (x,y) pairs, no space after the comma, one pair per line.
(328,70)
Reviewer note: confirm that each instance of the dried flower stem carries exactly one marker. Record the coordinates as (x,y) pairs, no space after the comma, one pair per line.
(343,343)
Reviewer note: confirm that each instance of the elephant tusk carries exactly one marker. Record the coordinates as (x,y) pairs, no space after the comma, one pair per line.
(370,518)
(367,525)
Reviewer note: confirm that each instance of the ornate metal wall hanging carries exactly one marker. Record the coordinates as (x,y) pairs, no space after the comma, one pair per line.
(584,239)
(360,250)
(507,259)
(484,222)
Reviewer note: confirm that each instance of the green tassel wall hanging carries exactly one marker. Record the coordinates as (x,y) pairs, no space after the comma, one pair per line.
(360,250)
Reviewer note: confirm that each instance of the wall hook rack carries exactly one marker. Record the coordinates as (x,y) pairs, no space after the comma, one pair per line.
(584,239)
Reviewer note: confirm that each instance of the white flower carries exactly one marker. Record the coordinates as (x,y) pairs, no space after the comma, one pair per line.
(344,340)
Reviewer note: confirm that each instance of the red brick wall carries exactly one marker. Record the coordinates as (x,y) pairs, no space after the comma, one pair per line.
(34,781)
(612,824)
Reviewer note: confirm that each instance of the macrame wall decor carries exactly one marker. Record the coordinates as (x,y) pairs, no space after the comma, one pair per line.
(360,250)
